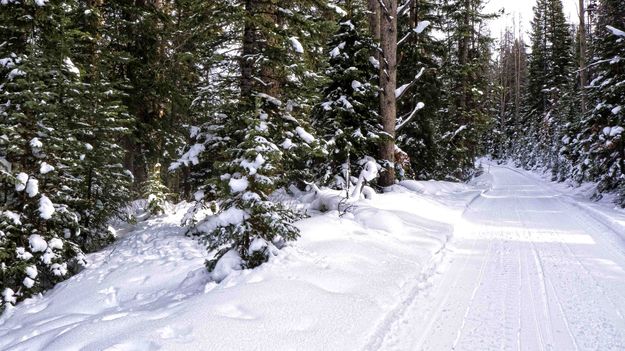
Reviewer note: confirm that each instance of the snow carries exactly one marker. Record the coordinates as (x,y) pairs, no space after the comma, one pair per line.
(35,143)
(297,46)
(331,289)
(269,99)
(253,166)
(346,104)
(302,133)
(16,72)
(22,254)
(14,217)
(337,50)
(238,185)
(55,243)
(616,31)
(616,110)
(31,272)
(505,262)
(375,62)
(189,157)
(32,187)
(46,208)
(198,195)
(59,269)
(287,144)
(338,10)
(227,264)
(399,91)
(22,179)
(257,244)
(230,216)
(530,269)
(8,295)
(37,243)
(28,283)
(69,65)
(45,168)
(612,131)
(421,26)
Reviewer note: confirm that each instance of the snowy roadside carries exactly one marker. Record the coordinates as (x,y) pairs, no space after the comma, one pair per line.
(332,289)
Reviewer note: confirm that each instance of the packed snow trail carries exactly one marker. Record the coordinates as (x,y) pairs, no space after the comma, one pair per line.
(530,269)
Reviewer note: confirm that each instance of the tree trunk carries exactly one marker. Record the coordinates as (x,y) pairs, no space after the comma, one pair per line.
(388,85)
(266,78)
(374,19)
(583,73)
(247,57)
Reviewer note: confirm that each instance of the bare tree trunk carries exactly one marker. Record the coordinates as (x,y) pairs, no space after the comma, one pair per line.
(388,85)
(583,73)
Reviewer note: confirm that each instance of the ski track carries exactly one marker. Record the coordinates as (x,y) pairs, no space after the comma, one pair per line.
(528,269)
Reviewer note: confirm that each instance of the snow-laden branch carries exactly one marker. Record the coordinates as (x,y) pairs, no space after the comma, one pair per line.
(412,115)
(403,9)
(401,91)
(615,31)
(451,135)
(421,26)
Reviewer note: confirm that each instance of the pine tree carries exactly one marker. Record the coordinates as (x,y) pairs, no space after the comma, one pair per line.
(550,76)
(261,137)
(468,58)
(511,77)
(419,49)
(347,118)
(39,79)
(599,146)
(155,192)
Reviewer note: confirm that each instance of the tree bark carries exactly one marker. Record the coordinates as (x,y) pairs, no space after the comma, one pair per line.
(388,85)
(248,52)
(583,73)
(374,19)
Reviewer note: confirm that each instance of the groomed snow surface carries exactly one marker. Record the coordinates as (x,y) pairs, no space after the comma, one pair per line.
(510,262)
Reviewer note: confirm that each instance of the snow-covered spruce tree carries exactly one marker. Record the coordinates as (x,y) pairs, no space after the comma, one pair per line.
(511,80)
(37,78)
(600,146)
(467,93)
(347,118)
(419,49)
(99,185)
(159,49)
(154,191)
(259,141)
(550,78)
(249,221)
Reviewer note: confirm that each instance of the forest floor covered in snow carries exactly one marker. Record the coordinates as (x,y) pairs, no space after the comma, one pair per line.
(329,290)
(508,262)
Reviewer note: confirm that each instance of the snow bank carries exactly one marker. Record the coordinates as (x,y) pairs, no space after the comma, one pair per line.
(330,290)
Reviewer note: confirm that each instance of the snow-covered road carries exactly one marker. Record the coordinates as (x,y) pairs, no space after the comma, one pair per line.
(530,269)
